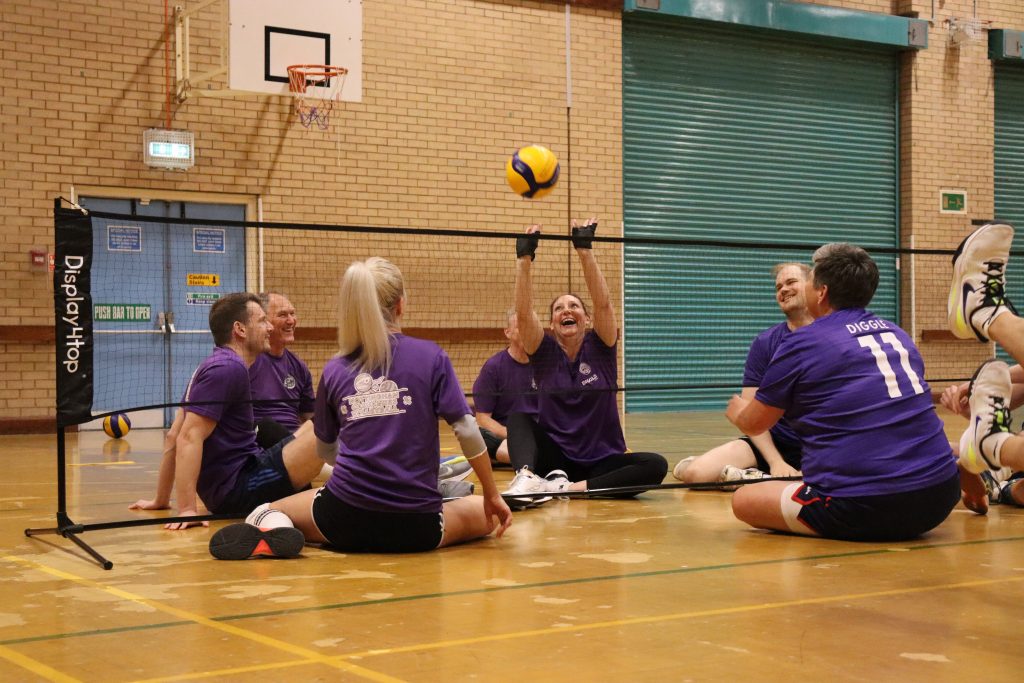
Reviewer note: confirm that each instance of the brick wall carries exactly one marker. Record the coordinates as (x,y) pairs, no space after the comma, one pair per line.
(450,90)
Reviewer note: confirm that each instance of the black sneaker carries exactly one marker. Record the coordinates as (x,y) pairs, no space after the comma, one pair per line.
(242,541)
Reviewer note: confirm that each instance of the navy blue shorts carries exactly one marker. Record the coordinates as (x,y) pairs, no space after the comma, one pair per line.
(1006,492)
(351,529)
(892,517)
(789,451)
(263,479)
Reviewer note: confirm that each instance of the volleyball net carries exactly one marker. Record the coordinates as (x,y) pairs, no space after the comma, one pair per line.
(133,294)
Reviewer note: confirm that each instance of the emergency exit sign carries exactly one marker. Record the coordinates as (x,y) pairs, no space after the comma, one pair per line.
(952,201)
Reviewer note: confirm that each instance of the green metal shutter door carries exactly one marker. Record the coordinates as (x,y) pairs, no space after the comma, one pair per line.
(1009,168)
(742,135)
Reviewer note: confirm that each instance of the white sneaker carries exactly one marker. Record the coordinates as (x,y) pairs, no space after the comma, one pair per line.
(558,481)
(976,295)
(455,469)
(681,466)
(990,417)
(731,473)
(526,481)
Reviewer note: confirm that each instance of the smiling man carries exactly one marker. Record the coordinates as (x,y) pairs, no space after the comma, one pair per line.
(282,386)
(210,452)
(876,462)
(776,452)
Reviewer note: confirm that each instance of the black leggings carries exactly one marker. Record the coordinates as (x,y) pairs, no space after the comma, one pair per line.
(530,446)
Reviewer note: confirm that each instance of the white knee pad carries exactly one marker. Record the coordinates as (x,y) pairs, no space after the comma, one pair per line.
(791,509)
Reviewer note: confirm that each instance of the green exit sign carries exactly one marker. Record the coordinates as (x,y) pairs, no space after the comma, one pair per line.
(122,313)
(952,201)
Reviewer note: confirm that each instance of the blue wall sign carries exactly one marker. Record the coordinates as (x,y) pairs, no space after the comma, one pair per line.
(208,240)
(124,238)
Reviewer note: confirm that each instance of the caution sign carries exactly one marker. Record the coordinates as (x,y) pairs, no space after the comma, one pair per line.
(202,280)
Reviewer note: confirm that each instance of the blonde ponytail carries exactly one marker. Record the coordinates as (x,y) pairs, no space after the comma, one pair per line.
(370,291)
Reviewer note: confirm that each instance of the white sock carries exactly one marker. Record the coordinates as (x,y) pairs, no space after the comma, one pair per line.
(256,514)
(265,517)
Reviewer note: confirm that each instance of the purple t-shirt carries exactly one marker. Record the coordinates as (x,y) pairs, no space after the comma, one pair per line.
(852,386)
(283,377)
(581,416)
(503,387)
(222,377)
(386,426)
(760,354)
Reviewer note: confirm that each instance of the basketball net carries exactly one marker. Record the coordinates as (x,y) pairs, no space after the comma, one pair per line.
(316,88)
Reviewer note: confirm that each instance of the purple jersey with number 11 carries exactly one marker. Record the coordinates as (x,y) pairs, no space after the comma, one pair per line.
(852,385)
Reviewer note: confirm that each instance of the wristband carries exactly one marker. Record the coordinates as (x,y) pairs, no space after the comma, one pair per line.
(583,238)
(526,245)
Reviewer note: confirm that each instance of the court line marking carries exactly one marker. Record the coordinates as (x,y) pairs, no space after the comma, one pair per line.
(678,616)
(617,623)
(524,586)
(36,667)
(310,656)
(254,668)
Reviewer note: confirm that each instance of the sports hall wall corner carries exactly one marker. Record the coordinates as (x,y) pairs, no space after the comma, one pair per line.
(436,97)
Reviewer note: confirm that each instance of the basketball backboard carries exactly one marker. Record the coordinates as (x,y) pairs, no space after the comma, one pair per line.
(261,39)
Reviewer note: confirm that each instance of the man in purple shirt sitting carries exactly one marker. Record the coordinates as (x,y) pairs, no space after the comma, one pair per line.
(278,375)
(504,386)
(211,451)
(776,452)
(876,462)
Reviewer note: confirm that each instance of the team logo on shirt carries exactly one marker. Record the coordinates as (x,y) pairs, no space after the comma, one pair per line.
(289,382)
(374,398)
(585,369)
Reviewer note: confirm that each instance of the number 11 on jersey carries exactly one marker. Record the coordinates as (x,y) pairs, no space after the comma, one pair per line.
(870,342)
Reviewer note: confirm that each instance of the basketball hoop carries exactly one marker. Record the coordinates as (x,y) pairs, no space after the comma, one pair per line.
(316,88)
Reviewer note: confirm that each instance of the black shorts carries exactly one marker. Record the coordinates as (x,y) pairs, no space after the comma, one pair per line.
(892,517)
(262,480)
(351,529)
(269,432)
(492,441)
(789,451)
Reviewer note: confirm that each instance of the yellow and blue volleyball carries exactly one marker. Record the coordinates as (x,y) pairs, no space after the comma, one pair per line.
(116,426)
(532,171)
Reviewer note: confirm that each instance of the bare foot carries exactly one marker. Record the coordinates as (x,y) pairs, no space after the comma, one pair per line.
(973,488)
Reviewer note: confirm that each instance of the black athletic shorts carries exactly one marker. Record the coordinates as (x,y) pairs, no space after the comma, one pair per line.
(492,441)
(892,517)
(269,432)
(789,451)
(351,529)
(263,479)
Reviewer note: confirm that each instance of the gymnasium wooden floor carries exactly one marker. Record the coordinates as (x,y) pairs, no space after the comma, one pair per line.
(665,588)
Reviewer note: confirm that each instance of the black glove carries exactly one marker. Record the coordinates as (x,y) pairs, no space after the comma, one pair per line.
(583,238)
(526,245)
